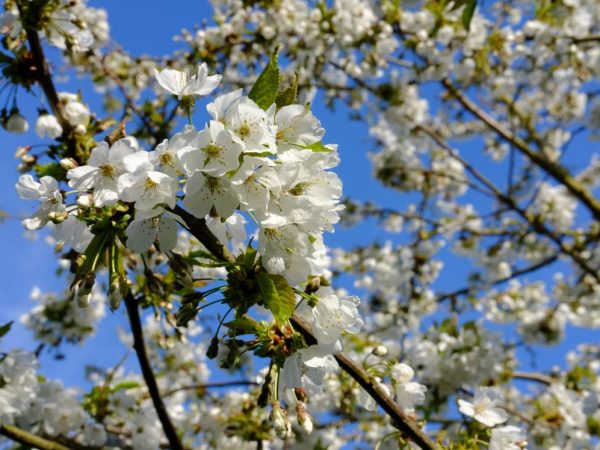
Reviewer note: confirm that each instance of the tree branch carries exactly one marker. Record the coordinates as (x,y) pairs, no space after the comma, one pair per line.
(404,423)
(140,349)
(29,439)
(42,73)
(401,421)
(556,171)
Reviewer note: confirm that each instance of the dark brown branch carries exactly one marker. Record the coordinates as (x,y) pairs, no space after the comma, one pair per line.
(140,349)
(42,73)
(200,231)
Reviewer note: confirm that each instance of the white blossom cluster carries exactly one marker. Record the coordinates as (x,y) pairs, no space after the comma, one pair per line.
(56,319)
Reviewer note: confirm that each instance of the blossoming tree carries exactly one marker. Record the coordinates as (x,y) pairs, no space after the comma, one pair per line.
(210,234)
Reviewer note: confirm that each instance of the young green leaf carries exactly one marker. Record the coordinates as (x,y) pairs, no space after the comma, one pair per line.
(289,94)
(318,147)
(278,296)
(264,91)
(5,328)
(467,14)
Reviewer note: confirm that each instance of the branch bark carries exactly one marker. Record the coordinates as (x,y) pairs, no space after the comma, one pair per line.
(138,344)
(29,439)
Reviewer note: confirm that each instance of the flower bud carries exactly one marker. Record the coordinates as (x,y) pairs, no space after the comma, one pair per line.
(68,163)
(80,129)
(57,216)
(83,289)
(29,159)
(313,285)
(22,151)
(279,420)
(84,201)
(380,350)
(304,419)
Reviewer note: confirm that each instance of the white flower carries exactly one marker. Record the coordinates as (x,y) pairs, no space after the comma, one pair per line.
(308,367)
(297,125)
(180,84)
(216,151)
(144,231)
(74,233)
(484,407)
(48,125)
(147,189)
(246,120)
(333,316)
(507,438)
(104,167)
(47,192)
(202,192)
(408,393)
(75,111)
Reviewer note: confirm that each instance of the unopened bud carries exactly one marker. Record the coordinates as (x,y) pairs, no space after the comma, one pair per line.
(22,151)
(304,419)
(279,420)
(115,293)
(84,288)
(313,285)
(80,129)
(84,201)
(380,350)
(57,216)
(68,163)
(28,159)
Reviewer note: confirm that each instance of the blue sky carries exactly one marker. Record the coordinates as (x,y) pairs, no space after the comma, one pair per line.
(144,27)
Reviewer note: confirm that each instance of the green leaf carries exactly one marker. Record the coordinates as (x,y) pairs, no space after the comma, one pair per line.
(124,385)
(87,262)
(264,91)
(289,94)
(250,258)
(278,296)
(318,147)
(467,14)
(5,328)
(52,169)
(243,323)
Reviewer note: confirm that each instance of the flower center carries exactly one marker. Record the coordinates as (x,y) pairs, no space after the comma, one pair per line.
(150,184)
(213,150)
(107,170)
(166,159)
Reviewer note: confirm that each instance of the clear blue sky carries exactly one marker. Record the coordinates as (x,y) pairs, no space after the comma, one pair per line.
(147,27)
